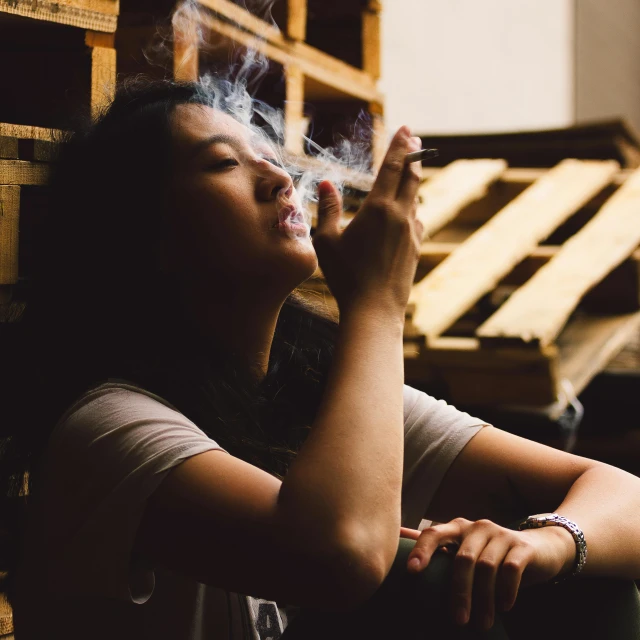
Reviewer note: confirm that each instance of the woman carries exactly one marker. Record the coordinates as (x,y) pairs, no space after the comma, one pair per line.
(200,432)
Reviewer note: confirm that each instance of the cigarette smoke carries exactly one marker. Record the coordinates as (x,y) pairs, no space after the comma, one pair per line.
(231,90)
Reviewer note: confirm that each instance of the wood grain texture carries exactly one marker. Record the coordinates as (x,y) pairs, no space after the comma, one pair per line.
(537,311)
(9,228)
(454,187)
(371,42)
(98,15)
(103,78)
(28,132)
(185,50)
(23,172)
(491,252)
(297,19)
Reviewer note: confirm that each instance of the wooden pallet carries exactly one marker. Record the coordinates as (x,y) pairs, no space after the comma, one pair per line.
(90,54)
(528,282)
(309,73)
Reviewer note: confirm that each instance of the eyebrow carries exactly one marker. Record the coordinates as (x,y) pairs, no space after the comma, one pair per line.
(219,138)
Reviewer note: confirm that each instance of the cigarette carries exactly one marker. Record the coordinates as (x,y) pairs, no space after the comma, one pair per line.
(418,156)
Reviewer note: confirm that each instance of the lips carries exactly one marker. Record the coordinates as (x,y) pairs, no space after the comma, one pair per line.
(289,214)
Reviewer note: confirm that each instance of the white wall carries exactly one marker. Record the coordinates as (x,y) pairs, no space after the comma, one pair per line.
(471,66)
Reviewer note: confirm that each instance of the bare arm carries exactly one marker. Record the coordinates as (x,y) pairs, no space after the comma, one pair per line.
(500,476)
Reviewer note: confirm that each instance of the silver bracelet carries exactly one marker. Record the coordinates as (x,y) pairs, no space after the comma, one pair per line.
(553,519)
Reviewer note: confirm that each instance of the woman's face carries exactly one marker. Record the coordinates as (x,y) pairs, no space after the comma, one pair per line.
(232,211)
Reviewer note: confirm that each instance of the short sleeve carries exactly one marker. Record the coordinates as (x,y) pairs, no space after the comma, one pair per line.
(106,456)
(435,433)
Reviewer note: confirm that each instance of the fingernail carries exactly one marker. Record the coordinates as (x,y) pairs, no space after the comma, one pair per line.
(414,564)
(487,622)
(461,615)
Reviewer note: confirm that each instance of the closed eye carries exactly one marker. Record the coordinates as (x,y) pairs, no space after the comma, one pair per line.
(223,164)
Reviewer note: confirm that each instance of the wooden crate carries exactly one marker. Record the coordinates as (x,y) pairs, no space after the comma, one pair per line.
(55,66)
(25,154)
(313,79)
(528,281)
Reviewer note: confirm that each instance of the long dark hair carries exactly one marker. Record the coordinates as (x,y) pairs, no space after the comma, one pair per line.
(99,308)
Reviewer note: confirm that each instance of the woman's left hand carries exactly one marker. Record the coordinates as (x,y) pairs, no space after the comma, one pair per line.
(491,562)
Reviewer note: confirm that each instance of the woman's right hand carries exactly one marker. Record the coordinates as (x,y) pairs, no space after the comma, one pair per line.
(374,260)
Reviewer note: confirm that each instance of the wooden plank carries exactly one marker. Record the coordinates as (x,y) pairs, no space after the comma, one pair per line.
(99,39)
(103,78)
(371,42)
(491,252)
(537,311)
(185,49)
(454,187)
(379,140)
(34,133)
(8,147)
(23,172)
(297,20)
(98,15)
(9,225)
(589,343)
(295,124)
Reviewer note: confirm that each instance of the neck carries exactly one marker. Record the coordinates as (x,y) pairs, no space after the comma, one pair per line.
(241,326)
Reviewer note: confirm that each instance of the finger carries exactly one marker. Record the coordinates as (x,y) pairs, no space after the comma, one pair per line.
(484,583)
(329,209)
(509,576)
(393,167)
(411,178)
(430,539)
(464,566)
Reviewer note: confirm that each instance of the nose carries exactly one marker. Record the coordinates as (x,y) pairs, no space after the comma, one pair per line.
(271,180)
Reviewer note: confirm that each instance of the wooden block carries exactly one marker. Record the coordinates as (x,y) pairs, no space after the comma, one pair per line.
(103,78)
(9,226)
(371,42)
(97,15)
(8,147)
(23,172)
(99,39)
(297,20)
(491,252)
(295,124)
(477,376)
(379,140)
(537,311)
(454,187)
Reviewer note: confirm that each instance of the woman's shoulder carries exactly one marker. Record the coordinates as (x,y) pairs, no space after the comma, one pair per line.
(120,412)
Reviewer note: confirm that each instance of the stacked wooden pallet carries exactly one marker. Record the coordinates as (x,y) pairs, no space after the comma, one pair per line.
(528,280)
(311,78)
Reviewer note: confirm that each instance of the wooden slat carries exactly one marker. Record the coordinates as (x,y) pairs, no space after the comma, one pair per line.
(371,42)
(454,187)
(295,124)
(588,344)
(537,311)
(9,223)
(98,15)
(492,251)
(103,78)
(28,132)
(297,20)
(23,172)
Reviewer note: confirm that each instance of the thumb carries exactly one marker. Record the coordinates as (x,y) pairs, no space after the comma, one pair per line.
(329,208)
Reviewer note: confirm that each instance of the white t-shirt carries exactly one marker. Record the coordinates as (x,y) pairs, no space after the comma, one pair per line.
(106,456)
